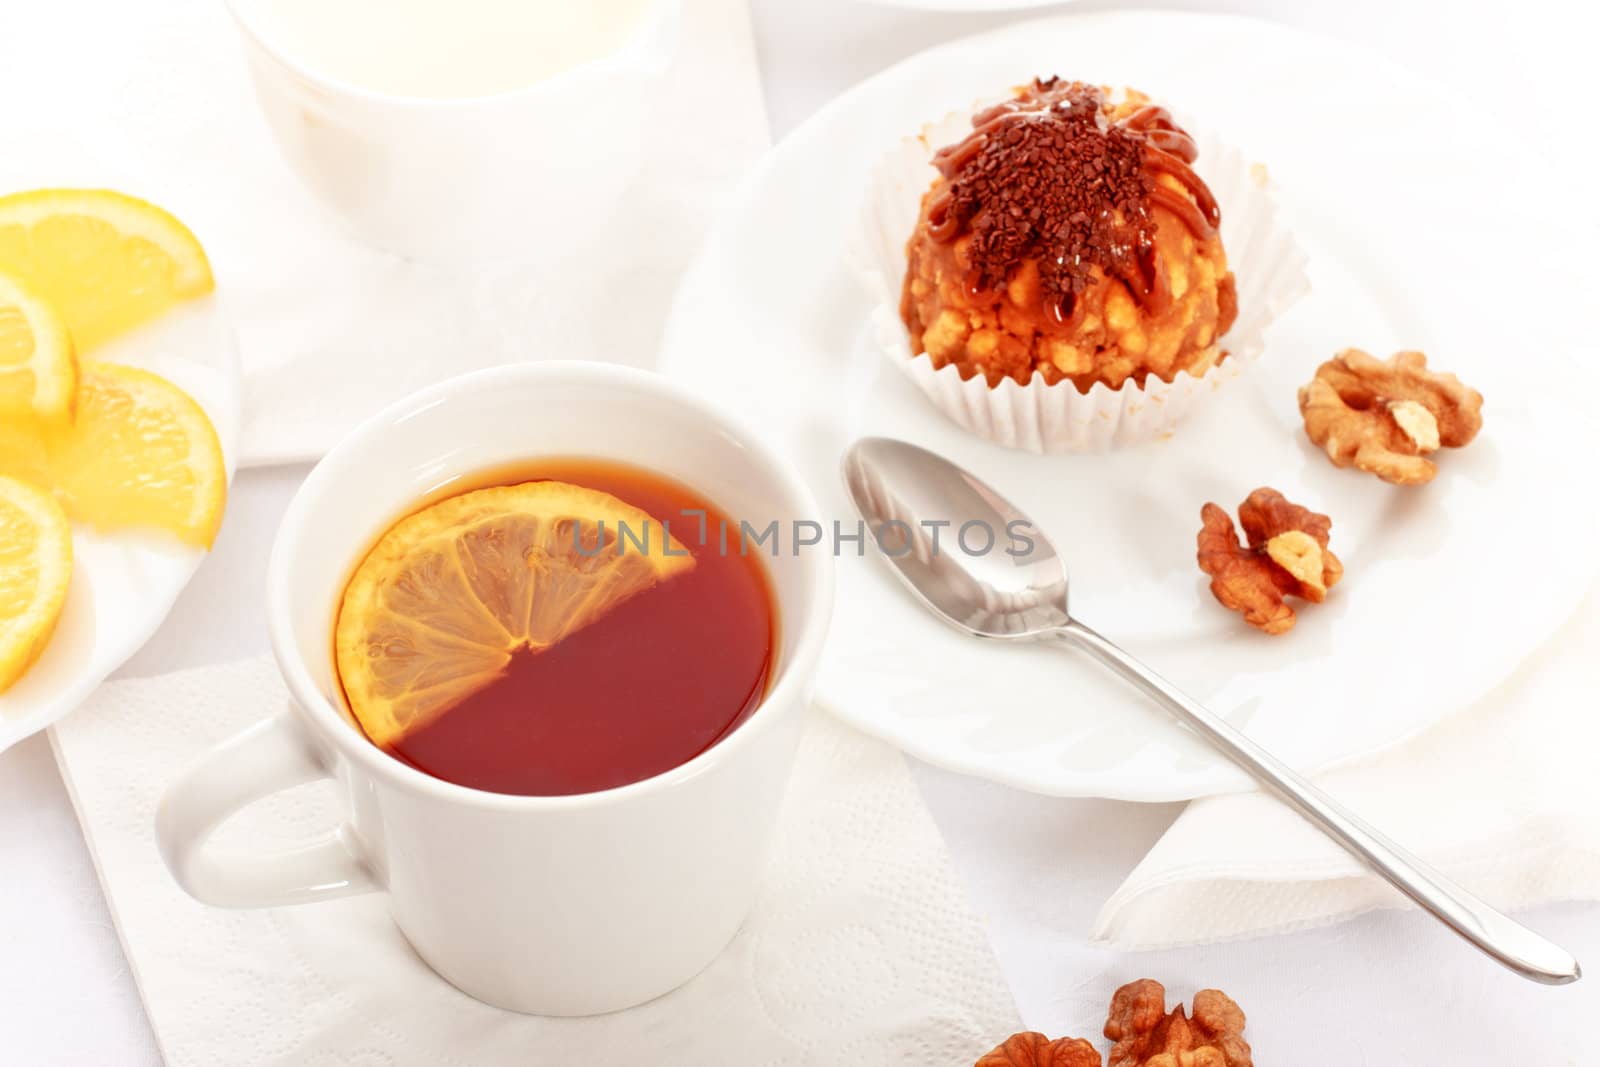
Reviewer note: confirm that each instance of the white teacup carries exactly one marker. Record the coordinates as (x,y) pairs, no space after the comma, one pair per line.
(566,905)
(517,174)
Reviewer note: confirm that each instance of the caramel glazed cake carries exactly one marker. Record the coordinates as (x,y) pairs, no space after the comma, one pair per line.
(1068,235)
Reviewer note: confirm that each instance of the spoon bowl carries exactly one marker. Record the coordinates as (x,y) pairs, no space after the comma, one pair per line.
(961,548)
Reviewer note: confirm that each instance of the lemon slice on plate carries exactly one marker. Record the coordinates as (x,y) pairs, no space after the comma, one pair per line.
(447,595)
(107,261)
(38,370)
(35,568)
(140,454)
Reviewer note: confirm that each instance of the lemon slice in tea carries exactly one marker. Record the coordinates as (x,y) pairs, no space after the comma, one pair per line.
(447,595)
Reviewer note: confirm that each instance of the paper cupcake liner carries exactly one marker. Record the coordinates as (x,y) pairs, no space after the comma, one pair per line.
(1269,271)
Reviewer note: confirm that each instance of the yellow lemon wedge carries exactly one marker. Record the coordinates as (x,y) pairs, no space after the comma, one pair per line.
(38,369)
(107,261)
(140,454)
(442,601)
(35,569)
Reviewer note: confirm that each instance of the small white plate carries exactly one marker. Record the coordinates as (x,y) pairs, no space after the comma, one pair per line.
(1413,243)
(124,584)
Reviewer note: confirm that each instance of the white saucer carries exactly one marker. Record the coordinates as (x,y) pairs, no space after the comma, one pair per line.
(124,584)
(1387,185)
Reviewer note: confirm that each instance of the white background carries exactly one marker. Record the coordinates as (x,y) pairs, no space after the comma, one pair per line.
(1390,988)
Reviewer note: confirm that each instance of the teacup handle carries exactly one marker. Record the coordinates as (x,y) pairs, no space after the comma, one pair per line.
(271,756)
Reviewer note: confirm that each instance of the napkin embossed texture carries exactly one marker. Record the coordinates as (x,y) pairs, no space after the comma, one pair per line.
(1502,797)
(860,950)
(156,101)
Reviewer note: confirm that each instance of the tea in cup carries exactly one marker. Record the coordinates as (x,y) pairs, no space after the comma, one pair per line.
(557,626)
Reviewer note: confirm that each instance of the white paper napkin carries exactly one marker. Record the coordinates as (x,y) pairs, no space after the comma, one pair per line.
(1503,797)
(860,950)
(155,100)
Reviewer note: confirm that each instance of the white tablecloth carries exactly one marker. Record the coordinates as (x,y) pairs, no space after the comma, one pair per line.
(1383,989)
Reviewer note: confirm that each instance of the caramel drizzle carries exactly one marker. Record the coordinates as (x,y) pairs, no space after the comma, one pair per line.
(952,159)
(1168,149)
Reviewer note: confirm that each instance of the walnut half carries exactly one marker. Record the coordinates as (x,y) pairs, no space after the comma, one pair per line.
(1285,554)
(1386,417)
(1036,1050)
(1147,1035)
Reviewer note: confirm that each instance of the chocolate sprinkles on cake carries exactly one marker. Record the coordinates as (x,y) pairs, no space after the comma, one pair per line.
(1049,177)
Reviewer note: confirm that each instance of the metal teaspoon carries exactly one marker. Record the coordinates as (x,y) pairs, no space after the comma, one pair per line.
(898,487)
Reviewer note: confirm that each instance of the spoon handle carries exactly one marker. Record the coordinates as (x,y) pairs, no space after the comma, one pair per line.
(1498,935)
